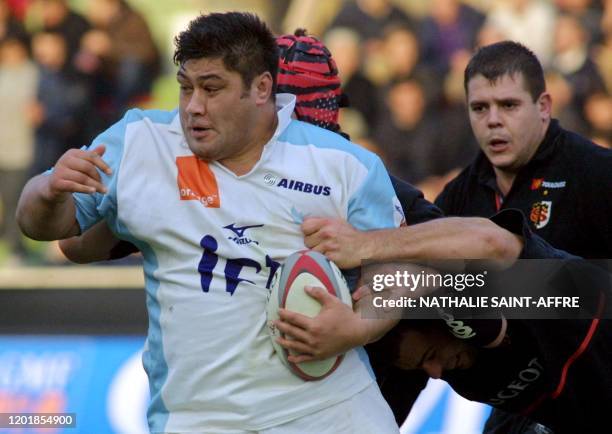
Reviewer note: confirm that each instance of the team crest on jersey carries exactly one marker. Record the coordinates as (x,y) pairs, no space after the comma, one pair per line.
(540,213)
(197,182)
(239,234)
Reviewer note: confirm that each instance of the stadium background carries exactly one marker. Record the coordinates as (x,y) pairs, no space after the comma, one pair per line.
(70,335)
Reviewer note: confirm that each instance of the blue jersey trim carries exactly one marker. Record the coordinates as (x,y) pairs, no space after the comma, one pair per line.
(372,207)
(90,209)
(153,358)
(303,134)
(365,359)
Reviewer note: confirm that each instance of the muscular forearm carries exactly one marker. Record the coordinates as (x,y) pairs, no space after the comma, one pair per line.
(374,329)
(383,319)
(94,245)
(43,216)
(447,238)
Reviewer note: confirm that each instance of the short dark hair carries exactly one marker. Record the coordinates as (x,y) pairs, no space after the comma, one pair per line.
(507,58)
(243,41)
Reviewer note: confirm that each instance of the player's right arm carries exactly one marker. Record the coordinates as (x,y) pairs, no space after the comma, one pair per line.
(95,244)
(46,209)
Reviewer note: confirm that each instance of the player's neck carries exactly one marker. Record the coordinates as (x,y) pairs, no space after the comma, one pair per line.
(504,180)
(243,163)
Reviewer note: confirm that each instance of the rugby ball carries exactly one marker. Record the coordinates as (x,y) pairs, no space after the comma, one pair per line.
(305,268)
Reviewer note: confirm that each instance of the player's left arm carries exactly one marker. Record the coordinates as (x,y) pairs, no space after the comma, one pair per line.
(98,243)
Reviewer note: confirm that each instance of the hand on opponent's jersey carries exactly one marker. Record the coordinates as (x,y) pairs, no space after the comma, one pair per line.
(77,172)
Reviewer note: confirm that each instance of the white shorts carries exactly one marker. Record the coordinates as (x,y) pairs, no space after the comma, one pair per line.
(365,413)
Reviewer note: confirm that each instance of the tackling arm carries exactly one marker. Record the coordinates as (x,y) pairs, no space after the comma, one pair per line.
(444,238)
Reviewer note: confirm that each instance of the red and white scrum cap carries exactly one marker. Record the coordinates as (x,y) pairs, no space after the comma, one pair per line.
(307,70)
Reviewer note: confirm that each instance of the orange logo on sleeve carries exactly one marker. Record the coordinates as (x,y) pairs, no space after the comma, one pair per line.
(197,182)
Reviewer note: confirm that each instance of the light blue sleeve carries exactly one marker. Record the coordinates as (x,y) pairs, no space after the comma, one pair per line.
(91,208)
(374,204)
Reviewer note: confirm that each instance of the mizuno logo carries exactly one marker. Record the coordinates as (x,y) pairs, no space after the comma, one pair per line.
(304,187)
(239,231)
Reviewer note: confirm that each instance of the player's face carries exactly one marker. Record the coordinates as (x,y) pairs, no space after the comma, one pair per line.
(508,125)
(219,115)
(435,351)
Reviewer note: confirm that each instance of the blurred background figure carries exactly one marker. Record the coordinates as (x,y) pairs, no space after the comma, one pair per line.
(369,18)
(530,22)
(361,116)
(61,100)
(56,16)
(403,59)
(406,134)
(561,92)
(602,53)
(587,13)
(488,35)
(598,111)
(18,84)
(130,54)
(450,30)
(10,25)
(571,59)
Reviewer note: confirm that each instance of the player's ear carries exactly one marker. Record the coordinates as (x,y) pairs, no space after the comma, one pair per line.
(545,106)
(262,86)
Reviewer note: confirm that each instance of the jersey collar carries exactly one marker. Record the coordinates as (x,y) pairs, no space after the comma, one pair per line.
(285,104)
(175,125)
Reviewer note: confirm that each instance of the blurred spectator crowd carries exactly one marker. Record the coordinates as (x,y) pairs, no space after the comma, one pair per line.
(64,77)
(404,74)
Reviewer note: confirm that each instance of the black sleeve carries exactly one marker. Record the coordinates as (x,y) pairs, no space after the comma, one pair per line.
(122,249)
(416,208)
(399,387)
(514,220)
(483,331)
